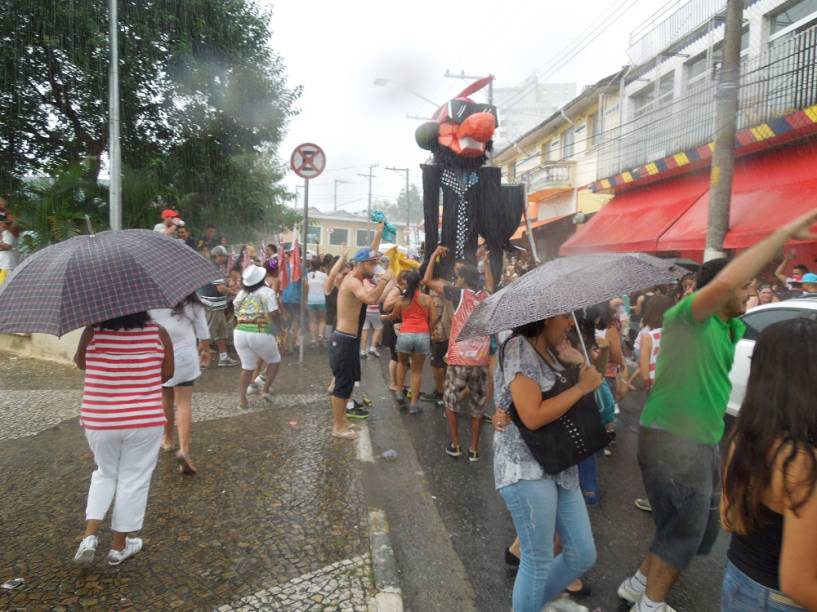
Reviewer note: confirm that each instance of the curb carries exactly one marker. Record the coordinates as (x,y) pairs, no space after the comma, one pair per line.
(389,597)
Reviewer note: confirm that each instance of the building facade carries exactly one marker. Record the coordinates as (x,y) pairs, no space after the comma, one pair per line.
(525,106)
(656,162)
(328,231)
(556,160)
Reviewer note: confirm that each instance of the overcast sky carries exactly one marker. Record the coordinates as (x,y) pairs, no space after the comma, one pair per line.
(335,50)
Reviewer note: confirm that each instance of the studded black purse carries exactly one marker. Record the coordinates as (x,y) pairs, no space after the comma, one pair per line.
(579,433)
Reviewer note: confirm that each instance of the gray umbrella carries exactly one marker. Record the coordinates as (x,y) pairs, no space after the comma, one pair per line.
(567,284)
(88,279)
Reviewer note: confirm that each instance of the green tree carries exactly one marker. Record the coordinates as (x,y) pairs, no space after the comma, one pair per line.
(202,92)
(410,207)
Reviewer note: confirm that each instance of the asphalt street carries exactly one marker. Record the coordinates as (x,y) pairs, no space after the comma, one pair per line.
(443,508)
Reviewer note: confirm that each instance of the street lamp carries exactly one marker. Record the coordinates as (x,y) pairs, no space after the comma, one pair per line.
(381,82)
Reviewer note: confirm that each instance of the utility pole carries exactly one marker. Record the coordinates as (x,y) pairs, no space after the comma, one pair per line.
(408,199)
(469,77)
(337,182)
(114,149)
(370,176)
(723,157)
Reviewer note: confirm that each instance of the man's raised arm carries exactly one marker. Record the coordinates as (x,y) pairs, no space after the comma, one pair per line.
(437,285)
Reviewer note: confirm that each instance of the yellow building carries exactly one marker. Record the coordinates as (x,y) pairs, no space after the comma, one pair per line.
(557,160)
(328,231)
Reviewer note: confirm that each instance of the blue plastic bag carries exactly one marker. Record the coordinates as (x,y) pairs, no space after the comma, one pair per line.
(389,231)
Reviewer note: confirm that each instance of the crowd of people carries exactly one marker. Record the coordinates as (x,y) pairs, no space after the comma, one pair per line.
(677,342)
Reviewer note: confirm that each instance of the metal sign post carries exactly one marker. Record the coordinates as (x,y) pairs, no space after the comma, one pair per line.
(308,161)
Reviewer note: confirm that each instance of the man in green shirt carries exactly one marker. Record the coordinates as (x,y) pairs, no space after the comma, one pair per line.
(682,422)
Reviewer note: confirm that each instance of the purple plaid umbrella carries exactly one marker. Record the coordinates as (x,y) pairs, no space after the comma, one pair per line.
(89,279)
(567,284)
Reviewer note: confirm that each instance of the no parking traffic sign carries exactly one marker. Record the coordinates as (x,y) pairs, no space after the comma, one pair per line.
(308,160)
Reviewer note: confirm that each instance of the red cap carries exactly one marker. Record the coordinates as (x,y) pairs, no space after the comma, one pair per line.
(169,213)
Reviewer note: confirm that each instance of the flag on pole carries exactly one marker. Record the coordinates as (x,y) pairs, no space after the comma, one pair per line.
(295,257)
(283,271)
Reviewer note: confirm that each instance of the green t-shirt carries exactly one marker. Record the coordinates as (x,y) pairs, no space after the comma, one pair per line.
(692,383)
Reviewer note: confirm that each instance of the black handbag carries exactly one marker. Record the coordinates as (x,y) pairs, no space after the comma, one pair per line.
(577,434)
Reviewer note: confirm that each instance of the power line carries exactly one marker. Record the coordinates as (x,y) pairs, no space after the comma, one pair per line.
(557,61)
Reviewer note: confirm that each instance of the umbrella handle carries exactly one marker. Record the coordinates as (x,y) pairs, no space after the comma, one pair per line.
(596,393)
(581,338)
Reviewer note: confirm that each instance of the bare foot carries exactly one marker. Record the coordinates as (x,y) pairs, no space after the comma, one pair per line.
(185,465)
(349,434)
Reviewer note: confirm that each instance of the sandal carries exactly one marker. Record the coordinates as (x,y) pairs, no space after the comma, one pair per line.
(185,465)
(267,397)
(345,435)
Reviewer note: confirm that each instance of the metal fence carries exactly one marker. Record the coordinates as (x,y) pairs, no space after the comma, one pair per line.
(778,82)
(549,175)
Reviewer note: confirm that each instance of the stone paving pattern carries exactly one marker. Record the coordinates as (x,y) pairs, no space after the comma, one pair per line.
(277,503)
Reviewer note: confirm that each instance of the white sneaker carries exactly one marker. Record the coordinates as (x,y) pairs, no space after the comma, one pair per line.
(565,604)
(373,351)
(664,607)
(227,363)
(87,550)
(252,389)
(628,593)
(132,546)
(260,380)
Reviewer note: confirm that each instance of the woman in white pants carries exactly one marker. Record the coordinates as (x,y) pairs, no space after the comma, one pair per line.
(126,360)
(187,325)
(256,313)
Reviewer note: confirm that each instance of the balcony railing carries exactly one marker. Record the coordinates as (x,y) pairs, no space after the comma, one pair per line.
(550,175)
(668,26)
(778,82)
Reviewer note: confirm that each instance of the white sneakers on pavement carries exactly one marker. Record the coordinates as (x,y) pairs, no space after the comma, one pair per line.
(374,352)
(87,550)
(664,607)
(132,546)
(565,604)
(227,363)
(628,593)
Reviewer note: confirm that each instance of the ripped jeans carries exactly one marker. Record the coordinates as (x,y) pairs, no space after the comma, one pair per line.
(540,509)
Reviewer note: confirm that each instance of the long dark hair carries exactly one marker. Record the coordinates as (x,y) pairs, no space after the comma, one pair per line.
(137,320)
(654,313)
(412,278)
(777,422)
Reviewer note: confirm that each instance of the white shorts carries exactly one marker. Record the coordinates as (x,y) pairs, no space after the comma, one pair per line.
(252,346)
(373,321)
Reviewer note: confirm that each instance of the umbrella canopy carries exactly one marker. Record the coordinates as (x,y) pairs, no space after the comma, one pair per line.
(88,279)
(563,285)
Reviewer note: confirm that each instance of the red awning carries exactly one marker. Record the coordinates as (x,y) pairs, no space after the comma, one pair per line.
(634,220)
(522,229)
(768,191)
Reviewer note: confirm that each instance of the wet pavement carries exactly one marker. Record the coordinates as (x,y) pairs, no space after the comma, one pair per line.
(461,518)
(276,518)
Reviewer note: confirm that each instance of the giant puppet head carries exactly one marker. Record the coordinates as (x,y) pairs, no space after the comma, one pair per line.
(475,203)
(461,129)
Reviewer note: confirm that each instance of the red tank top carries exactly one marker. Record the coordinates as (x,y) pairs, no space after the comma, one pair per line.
(415,318)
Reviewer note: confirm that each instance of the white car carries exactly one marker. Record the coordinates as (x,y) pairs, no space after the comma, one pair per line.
(756,320)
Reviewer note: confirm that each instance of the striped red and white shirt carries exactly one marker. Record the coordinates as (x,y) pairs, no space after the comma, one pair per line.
(123,379)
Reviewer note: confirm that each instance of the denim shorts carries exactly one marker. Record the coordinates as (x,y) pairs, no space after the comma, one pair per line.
(742,594)
(682,480)
(414,343)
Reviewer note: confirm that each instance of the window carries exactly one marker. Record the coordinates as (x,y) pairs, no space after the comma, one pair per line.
(597,131)
(364,237)
(568,142)
(756,322)
(553,155)
(339,236)
(645,100)
(794,15)
(313,234)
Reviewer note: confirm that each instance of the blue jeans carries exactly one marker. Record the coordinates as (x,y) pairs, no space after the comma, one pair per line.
(742,594)
(588,480)
(539,509)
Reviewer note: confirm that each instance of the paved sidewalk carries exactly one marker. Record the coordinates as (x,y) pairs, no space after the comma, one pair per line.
(275,519)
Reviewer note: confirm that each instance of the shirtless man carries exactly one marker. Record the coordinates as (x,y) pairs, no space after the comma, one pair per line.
(344,350)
